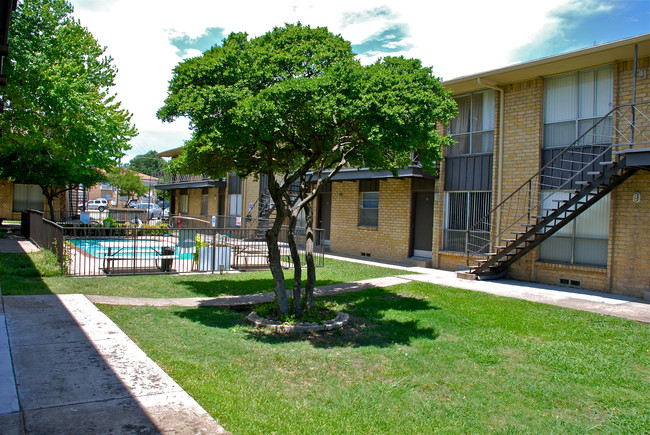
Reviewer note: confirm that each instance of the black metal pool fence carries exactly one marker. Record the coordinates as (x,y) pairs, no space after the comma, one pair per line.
(99,251)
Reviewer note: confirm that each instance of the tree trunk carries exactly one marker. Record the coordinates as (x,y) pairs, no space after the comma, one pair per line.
(309,257)
(295,259)
(50,204)
(275,264)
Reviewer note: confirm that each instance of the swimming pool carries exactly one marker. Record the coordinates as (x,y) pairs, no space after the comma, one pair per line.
(129,248)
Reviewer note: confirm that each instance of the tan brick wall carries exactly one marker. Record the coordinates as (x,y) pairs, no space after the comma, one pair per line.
(630,237)
(624,81)
(213,201)
(438,222)
(194,208)
(523,118)
(448,260)
(592,278)
(391,239)
(250,194)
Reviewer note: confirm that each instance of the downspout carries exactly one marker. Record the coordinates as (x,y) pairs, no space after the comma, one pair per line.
(636,57)
(492,85)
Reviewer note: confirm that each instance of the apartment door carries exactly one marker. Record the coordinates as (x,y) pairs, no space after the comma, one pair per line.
(422,224)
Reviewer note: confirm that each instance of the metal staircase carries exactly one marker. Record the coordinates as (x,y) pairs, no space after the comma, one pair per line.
(589,168)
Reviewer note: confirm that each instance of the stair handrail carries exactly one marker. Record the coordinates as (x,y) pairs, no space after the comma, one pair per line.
(529,183)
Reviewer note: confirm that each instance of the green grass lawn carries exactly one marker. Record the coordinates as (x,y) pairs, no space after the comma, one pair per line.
(417,358)
(23,274)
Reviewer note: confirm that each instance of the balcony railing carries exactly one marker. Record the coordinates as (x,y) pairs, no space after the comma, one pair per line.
(170,178)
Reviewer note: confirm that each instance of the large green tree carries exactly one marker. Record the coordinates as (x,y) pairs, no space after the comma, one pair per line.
(295,105)
(148,163)
(61,126)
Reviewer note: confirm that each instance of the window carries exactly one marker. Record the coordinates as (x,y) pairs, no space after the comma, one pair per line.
(572,105)
(583,240)
(369,203)
(204,201)
(473,128)
(184,202)
(234,195)
(463,210)
(235,205)
(26,197)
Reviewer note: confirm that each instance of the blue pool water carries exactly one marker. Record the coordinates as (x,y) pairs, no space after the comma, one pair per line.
(120,248)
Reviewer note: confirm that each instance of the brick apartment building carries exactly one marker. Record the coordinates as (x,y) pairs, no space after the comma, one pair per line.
(515,120)
(512,129)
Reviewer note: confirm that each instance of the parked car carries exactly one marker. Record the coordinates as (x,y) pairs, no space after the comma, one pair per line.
(154,210)
(165,214)
(131,203)
(100,204)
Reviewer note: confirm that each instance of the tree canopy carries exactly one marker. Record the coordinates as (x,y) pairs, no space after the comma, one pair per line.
(128,183)
(295,105)
(61,126)
(148,163)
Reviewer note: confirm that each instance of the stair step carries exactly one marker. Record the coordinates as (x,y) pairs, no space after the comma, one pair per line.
(607,163)
(594,173)
(582,183)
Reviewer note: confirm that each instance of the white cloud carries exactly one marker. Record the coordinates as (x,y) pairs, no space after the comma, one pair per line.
(456,38)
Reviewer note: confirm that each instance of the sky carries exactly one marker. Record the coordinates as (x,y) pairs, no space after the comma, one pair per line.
(147,38)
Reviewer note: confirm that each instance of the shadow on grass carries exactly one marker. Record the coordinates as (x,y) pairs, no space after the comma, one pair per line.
(22,274)
(229,286)
(378,318)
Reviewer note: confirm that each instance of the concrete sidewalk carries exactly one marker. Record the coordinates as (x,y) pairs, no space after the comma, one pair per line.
(596,302)
(67,368)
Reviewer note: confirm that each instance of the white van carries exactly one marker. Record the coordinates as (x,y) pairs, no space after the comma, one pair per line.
(100,204)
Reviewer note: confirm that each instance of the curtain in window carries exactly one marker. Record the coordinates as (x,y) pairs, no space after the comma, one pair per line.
(460,126)
(184,203)
(473,128)
(205,198)
(573,103)
(582,241)
(26,197)
(369,209)
(234,208)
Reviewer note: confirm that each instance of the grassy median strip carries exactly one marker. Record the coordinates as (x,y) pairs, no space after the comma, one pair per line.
(417,358)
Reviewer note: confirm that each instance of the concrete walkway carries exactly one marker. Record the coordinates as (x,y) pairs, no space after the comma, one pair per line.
(66,368)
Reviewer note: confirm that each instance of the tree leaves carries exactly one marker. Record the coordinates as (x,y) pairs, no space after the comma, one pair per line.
(61,125)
